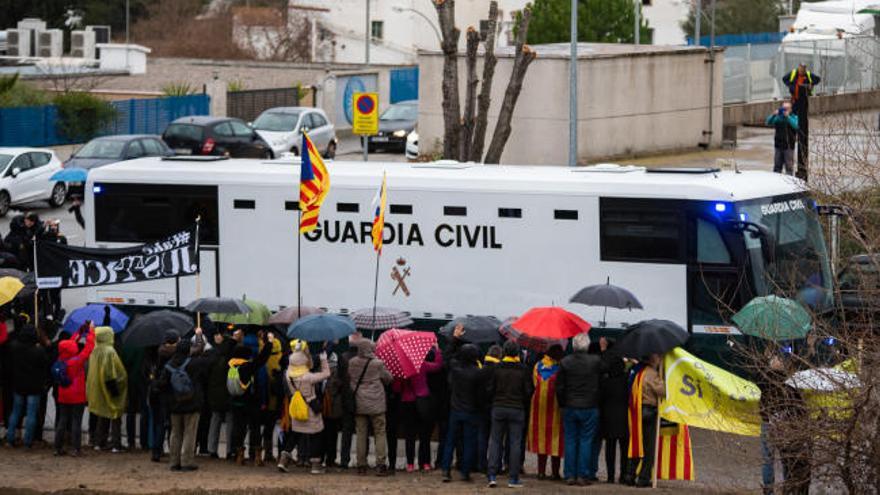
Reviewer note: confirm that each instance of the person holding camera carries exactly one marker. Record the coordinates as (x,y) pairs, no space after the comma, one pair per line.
(786,124)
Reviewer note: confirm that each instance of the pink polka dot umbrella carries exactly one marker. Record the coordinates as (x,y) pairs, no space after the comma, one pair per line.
(404,351)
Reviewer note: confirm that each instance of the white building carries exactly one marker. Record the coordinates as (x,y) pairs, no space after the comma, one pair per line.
(665,18)
(398,28)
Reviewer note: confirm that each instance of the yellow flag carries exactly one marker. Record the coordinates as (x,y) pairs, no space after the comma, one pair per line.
(703,395)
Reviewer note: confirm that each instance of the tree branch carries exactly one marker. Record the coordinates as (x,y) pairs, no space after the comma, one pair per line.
(524,57)
(485,98)
(467,128)
(451,104)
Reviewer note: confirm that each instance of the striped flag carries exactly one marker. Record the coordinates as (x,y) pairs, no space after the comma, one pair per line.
(675,457)
(314,184)
(379,218)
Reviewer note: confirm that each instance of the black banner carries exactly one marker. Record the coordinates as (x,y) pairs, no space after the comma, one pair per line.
(60,266)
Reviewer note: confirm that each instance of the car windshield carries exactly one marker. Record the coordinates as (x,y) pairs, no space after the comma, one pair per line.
(401,112)
(101,148)
(4,161)
(800,264)
(276,121)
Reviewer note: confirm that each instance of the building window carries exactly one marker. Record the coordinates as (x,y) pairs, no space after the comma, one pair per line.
(641,231)
(377,30)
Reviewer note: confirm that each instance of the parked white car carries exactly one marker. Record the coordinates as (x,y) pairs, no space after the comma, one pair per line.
(412,145)
(282,127)
(25,178)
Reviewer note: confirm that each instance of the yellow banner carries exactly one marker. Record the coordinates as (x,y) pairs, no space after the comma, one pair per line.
(703,395)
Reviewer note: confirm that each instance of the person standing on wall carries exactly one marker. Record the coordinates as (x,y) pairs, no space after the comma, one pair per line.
(800,83)
(786,125)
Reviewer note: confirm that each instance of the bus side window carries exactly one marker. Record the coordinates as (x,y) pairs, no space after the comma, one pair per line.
(641,231)
(710,244)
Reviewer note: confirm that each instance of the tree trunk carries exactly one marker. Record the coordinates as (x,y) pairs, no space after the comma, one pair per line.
(524,57)
(485,99)
(467,128)
(451,105)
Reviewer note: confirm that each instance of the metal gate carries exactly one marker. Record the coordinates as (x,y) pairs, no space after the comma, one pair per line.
(404,84)
(247,105)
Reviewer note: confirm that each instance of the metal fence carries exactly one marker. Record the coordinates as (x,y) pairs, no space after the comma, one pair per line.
(37,126)
(248,104)
(754,72)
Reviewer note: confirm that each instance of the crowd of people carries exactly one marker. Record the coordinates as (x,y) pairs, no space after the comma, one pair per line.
(294,404)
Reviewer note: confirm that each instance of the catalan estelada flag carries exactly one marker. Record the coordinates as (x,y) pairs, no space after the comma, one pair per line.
(379,218)
(636,449)
(314,184)
(675,457)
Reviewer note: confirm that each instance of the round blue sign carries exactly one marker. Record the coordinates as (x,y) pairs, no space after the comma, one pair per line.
(365,104)
(354,85)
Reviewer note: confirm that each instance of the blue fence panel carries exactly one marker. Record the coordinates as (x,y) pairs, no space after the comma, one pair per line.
(404,84)
(740,39)
(37,126)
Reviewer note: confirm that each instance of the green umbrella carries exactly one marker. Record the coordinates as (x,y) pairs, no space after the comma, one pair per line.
(870,11)
(774,318)
(259,315)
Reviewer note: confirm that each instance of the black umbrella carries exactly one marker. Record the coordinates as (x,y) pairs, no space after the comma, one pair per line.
(607,296)
(149,329)
(651,337)
(477,329)
(218,305)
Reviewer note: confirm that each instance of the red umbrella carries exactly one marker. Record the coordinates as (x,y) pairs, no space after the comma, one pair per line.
(551,323)
(404,351)
(537,344)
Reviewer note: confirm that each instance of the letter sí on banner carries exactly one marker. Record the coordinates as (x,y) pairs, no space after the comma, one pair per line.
(60,266)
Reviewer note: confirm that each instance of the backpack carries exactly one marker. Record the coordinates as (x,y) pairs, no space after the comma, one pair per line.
(298,408)
(233,383)
(181,383)
(60,376)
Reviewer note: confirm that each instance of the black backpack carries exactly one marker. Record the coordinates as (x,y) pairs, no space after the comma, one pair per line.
(181,384)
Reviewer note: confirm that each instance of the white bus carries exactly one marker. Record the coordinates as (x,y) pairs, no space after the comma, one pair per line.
(692,244)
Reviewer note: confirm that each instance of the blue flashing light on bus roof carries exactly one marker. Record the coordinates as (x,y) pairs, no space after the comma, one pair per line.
(97,189)
(720,207)
(743,217)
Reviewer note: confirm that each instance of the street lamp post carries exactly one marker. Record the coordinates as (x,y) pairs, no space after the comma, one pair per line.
(572,89)
(367,36)
(427,19)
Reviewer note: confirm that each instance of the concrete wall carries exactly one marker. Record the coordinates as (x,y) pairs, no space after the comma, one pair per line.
(756,113)
(636,103)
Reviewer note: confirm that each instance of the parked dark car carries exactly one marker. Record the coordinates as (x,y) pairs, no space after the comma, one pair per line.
(219,136)
(859,285)
(395,123)
(110,149)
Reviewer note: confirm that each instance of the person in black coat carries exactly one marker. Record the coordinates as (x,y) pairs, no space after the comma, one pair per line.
(800,82)
(613,404)
(30,368)
(509,388)
(185,407)
(217,395)
(465,381)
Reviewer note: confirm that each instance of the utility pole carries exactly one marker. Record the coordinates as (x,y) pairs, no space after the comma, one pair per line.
(127,39)
(638,13)
(573,89)
(697,18)
(367,36)
(711,73)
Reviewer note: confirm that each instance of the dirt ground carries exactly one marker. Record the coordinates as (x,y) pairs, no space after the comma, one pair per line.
(724,464)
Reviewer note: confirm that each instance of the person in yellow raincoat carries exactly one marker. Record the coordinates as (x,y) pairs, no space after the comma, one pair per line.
(545,419)
(106,384)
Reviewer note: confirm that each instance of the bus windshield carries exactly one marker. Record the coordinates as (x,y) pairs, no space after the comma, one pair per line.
(798,267)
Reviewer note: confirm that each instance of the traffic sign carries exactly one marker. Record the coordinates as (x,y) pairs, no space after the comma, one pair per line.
(365,113)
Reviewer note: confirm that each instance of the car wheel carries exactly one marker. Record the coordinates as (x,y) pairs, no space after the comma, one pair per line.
(295,151)
(331,150)
(268,155)
(4,203)
(59,194)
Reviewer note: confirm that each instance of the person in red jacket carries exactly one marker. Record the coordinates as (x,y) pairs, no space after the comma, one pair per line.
(72,398)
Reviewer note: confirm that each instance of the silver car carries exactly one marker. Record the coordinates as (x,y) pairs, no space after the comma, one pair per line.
(282,128)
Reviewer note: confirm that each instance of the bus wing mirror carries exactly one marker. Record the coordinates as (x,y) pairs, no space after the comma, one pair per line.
(760,232)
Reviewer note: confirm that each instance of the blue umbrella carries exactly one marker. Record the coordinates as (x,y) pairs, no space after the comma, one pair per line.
(72,174)
(321,327)
(96,313)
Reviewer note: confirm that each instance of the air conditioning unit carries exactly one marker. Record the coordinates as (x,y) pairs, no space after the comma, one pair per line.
(102,33)
(82,44)
(32,23)
(18,42)
(50,43)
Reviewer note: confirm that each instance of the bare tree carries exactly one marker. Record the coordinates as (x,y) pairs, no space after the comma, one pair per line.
(464,136)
